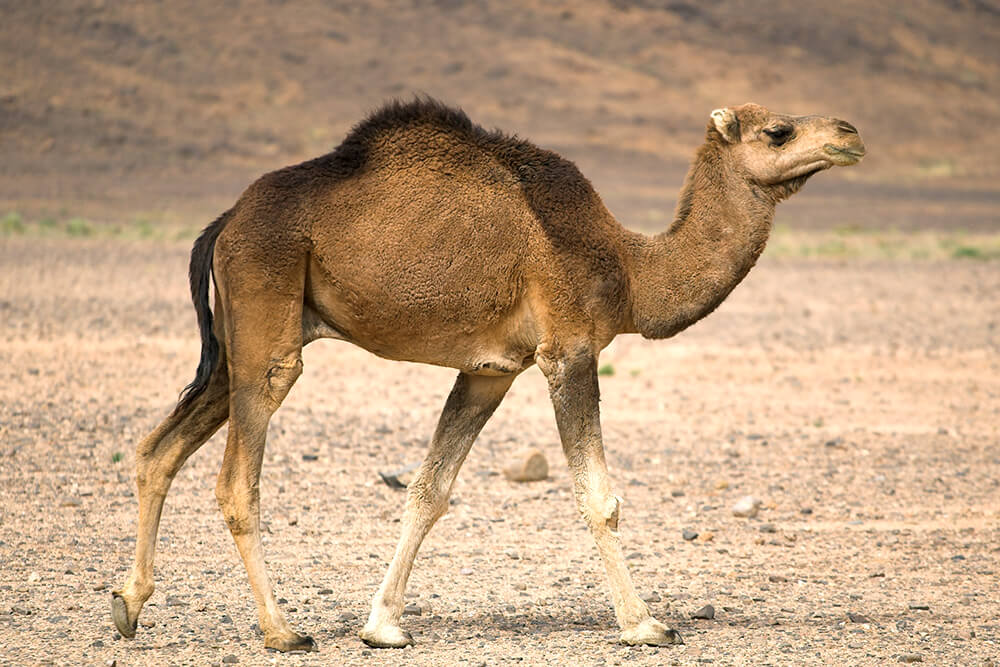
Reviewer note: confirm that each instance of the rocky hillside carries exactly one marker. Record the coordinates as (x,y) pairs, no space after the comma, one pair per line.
(167,110)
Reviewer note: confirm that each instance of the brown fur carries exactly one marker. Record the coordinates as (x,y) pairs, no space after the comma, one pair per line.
(426,238)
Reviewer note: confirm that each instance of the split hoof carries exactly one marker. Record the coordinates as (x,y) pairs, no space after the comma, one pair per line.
(386,636)
(652,633)
(119,614)
(291,642)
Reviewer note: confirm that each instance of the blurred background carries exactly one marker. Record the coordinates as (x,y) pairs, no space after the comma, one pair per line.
(161,113)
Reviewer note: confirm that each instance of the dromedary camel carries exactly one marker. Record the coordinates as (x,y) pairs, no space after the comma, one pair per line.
(425,238)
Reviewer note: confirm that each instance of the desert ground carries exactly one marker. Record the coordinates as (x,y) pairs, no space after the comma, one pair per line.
(857,397)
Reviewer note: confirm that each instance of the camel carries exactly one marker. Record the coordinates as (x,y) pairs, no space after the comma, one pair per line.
(425,238)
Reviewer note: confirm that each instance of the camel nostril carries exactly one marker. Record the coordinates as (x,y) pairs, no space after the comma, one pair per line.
(846,127)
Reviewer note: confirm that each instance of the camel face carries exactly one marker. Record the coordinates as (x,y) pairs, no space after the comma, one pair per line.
(774,149)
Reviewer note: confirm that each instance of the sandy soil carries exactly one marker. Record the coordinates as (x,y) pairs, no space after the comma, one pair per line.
(859,401)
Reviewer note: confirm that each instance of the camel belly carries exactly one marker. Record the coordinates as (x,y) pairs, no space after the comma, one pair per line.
(425,313)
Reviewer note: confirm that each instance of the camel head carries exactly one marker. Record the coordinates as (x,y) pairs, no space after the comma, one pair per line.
(780,151)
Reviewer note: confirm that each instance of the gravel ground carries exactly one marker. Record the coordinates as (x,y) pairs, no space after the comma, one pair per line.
(859,401)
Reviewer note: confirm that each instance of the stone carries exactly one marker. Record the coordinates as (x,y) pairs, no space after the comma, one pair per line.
(767,528)
(919,607)
(707,536)
(855,617)
(911,657)
(707,612)
(650,597)
(346,616)
(412,610)
(746,507)
(400,479)
(689,535)
(230,660)
(528,465)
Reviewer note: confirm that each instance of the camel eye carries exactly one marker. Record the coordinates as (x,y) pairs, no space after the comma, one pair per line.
(779,135)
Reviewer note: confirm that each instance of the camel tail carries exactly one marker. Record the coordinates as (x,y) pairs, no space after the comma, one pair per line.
(200,275)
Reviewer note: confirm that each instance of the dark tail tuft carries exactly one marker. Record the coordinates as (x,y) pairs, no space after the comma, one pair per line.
(200,273)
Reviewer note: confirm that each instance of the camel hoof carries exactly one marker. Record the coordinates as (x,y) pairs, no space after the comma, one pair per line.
(386,636)
(293,642)
(119,614)
(652,633)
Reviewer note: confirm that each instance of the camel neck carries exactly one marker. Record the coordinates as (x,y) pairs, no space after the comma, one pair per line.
(720,229)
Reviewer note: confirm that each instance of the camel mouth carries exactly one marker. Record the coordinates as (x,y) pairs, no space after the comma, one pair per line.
(845,156)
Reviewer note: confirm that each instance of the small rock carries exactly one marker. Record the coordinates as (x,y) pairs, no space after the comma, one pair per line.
(147,623)
(767,528)
(305,457)
(33,577)
(529,465)
(677,493)
(836,443)
(230,660)
(689,535)
(707,612)
(175,601)
(412,610)
(911,657)
(400,479)
(919,607)
(71,501)
(519,586)
(650,597)
(855,617)
(513,555)
(293,521)
(747,507)
(466,571)
(806,510)
(707,536)
(777,579)
(97,643)
(346,616)
(326,591)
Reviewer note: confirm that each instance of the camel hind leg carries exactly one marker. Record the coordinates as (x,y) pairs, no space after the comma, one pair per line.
(158,458)
(264,329)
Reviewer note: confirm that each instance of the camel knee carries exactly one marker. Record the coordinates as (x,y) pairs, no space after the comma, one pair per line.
(601,512)
(234,506)
(427,500)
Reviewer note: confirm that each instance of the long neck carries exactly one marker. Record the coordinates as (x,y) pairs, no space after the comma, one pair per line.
(720,229)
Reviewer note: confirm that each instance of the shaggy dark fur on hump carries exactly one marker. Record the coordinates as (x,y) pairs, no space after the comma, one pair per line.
(352,154)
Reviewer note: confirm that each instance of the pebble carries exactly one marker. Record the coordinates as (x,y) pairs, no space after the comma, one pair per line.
(911,657)
(528,465)
(33,577)
(707,612)
(689,535)
(707,536)
(326,591)
(777,579)
(747,507)
(346,616)
(855,617)
(520,587)
(230,660)
(767,528)
(650,597)
(412,610)
(400,479)
(920,607)
(175,601)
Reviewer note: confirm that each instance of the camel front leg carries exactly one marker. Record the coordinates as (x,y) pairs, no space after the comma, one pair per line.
(470,404)
(575,395)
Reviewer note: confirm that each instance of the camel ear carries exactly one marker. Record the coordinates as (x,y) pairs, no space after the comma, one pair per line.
(727,124)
